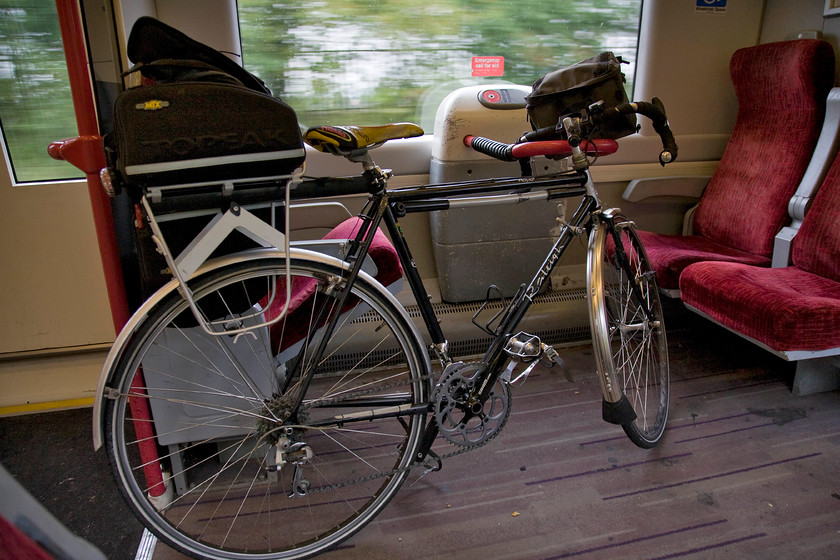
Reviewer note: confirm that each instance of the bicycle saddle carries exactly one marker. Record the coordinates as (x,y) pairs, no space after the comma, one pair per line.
(343,139)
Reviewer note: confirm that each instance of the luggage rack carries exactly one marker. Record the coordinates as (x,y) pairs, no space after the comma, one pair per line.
(215,194)
(211,197)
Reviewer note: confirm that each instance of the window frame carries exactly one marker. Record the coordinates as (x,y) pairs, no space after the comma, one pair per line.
(18,170)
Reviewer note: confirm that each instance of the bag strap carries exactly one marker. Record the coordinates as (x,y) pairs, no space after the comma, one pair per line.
(172,70)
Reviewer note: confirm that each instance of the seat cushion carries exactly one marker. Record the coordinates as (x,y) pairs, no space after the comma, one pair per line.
(384,256)
(296,324)
(785,308)
(670,254)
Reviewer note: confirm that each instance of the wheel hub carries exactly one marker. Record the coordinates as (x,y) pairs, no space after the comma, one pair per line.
(277,411)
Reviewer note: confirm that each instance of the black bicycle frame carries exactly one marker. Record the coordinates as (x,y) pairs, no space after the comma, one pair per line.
(389,205)
(445,196)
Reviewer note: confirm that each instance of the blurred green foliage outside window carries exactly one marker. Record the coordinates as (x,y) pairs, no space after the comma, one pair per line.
(36,106)
(335,61)
(378,61)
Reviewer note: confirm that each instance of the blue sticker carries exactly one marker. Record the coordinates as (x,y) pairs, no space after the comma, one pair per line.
(710,7)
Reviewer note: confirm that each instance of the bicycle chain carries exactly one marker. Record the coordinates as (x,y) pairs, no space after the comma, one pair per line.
(413,465)
(461,449)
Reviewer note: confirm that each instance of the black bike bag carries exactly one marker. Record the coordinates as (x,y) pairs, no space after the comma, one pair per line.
(198,117)
(192,132)
(572,89)
(151,41)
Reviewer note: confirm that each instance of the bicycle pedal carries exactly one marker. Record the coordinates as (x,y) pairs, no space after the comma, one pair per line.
(507,375)
(524,347)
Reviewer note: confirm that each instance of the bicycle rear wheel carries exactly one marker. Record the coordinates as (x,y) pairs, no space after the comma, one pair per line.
(253,476)
(628,331)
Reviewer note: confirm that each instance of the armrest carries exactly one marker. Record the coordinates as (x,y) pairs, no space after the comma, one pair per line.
(649,187)
(324,215)
(334,248)
(312,220)
(822,158)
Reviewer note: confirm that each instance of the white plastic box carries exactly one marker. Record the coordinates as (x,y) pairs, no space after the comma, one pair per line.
(477,247)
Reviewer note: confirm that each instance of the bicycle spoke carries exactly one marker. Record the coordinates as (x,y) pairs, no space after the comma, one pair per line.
(237,453)
(635,343)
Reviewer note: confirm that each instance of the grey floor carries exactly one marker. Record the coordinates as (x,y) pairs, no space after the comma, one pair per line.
(746,470)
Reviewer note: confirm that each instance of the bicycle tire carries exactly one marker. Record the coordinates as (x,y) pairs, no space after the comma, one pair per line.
(213,403)
(628,331)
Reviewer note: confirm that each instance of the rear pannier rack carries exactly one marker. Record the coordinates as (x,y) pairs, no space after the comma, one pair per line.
(218,194)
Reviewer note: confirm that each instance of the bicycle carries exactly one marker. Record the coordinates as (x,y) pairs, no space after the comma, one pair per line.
(235,431)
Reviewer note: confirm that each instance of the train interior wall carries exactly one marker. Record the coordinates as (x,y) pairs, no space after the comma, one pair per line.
(58,325)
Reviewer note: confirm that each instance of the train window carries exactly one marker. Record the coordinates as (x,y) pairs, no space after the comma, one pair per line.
(374,61)
(36,106)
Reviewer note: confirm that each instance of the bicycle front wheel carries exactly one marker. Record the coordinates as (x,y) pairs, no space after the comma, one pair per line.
(250,473)
(628,331)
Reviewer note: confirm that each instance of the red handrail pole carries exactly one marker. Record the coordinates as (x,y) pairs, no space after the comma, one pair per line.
(75,52)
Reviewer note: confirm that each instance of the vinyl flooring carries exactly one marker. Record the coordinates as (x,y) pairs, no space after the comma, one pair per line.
(746,470)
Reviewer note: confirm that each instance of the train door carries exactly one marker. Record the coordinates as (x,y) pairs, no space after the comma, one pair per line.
(56,323)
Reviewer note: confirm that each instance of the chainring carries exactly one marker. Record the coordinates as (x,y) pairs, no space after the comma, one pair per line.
(461,420)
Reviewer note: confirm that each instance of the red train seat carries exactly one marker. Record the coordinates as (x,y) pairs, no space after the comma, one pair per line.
(388,270)
(792,311)
(781,89)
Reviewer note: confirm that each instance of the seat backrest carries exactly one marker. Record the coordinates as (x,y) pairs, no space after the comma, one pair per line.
(816,248)
(781,89)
